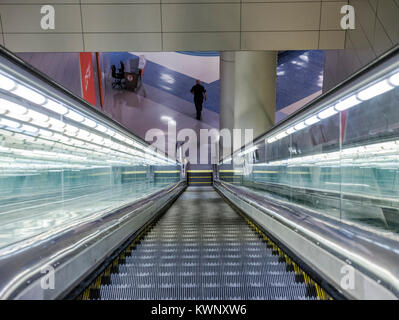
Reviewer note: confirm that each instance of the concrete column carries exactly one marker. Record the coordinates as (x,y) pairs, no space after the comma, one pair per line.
(226,116)
(255,90)
(248,90)
(227,67)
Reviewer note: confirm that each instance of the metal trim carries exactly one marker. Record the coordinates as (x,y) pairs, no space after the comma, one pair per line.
(21,269)
(327,232)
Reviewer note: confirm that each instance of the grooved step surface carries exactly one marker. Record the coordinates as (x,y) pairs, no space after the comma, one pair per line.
(202,249)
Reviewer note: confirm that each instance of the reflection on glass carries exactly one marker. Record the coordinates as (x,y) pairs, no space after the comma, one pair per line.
(60,166)
(341,160)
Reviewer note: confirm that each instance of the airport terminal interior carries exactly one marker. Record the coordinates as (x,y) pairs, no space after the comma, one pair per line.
(191,150)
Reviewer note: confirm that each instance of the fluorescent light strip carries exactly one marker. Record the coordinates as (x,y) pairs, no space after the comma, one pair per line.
(394,80)
(101,128)
(29,128)
(90,123)
(290,130)
(29,94)
(6,83)
(375,90)
(55,107)
(75,116)
(9,123)
(37,116)
(312,120)
(348,154)
(327,113)
(271,140)
(281,135)
(24,114)
(347,103)
(300,126)
(8,106)
(56,125)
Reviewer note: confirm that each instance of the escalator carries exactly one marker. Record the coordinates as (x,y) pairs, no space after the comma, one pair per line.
(202,249)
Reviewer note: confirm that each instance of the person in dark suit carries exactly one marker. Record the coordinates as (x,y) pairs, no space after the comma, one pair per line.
(199,93)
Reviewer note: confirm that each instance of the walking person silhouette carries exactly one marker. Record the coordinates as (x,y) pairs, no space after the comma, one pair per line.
(199,93)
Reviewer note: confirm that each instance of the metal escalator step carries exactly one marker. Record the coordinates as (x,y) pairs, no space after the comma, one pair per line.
(189,291)
(201,249)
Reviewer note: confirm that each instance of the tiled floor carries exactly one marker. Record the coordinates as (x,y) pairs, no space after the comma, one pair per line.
(175,73)
(299,75)
(141,114)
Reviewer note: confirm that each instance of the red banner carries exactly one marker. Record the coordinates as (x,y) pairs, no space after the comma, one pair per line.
(87,78)
(344,116)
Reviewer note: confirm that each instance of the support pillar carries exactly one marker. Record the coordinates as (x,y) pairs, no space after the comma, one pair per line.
(248,90)
(255,90)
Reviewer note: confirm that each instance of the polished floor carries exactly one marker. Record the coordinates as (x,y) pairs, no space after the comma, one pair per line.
(175,73)
(164,96)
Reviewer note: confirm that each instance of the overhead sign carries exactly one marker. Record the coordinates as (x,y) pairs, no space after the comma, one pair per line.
(87,78)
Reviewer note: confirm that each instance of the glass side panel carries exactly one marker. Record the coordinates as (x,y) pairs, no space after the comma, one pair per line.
(61,165)
(339,160)
(373,128)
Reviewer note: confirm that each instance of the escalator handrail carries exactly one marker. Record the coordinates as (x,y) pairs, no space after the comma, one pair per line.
(346,242)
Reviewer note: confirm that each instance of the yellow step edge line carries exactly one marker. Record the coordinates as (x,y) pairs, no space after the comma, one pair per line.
(266,171)
(194,171)
(166,171)
(133,172)
(200,177)
(99,174)
(208,182)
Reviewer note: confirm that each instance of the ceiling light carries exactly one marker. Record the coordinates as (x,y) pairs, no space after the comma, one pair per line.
(57,125)
(312,120)
(290,130)
(71,129)
(45,133)
(6,83)
(101,128)
(56,107)
(327,113)
(375,90)
(37,116)
(9,123)
(74,116)
(271,140)
(394,79)
(90,123)
(29,94)
(111,132)
(300,126)
(281,135)
(347,103)
(29,128)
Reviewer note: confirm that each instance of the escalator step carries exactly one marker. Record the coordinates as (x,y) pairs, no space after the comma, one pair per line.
(201,249)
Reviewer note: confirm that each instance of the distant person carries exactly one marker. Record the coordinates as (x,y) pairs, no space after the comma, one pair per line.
(142,63)
(141,67)
(199,93)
